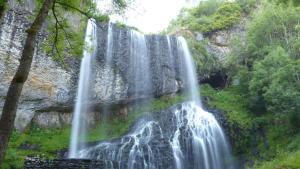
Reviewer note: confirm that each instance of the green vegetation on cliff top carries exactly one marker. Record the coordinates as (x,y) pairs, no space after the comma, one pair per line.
(208,16)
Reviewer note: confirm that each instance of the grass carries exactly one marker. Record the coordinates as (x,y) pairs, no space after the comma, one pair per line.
(240,120)
(48,141)
(284,161)
(232,102)
(286,156)
(284,147)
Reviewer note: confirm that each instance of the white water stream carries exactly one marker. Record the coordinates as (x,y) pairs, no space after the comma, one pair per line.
(83,94)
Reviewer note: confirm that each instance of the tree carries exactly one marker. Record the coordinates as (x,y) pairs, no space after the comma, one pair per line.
(283,94)
(293,2)
(275,25)
(16,86)
(21,75)
(264,70)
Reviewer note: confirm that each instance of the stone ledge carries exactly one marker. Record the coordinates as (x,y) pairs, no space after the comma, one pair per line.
(40,163)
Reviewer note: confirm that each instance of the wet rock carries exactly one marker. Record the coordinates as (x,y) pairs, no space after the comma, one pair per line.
(149,141)
(116,82)
(49,84)
(38,163)
(28,146)
(199,36)
(52,119)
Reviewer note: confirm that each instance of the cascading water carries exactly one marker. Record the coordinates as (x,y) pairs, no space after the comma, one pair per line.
(81,106)
(184,136)
(198,142)
(109,50)
(190,75)
(140,142)
(139,62)
(206,146)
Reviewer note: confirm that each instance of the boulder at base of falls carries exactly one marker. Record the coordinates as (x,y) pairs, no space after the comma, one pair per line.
(40,163)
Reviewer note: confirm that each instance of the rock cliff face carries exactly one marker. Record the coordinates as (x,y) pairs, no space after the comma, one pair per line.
(125,76)
(219,41)
(49,93)
(49,88)
(215,47)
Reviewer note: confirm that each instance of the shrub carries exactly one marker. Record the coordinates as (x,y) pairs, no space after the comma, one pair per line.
(2,5)
(283,94)
(247,5)
(226,15)
(208,16)
(102,18)
(206,8)
(274,25)
(206,64)
(294,120)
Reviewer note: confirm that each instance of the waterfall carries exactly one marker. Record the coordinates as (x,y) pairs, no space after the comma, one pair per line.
(139,61)
(109,50)
(184,136)
(83,94)
(191,76)
(206,146)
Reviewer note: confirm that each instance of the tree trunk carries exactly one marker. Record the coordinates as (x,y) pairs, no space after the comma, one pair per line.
(16,85)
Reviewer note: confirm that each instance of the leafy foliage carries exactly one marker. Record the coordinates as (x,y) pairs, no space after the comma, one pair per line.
(269,60)
(264,69)
(264,66)
(288,160)
(65,38)
(273,26)
(226,15)
(235,107)
(247,5)
(288,2)
(208,16)
(2,5)
(283,94)
(207,64)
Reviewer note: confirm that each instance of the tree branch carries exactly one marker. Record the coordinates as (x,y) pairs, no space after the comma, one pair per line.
(54,46)
(76,9)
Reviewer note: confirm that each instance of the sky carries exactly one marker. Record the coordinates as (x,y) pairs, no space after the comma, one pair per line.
(151,16)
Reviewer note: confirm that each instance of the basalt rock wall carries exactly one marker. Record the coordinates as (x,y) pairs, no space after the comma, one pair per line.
(50,92)
(125,77)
